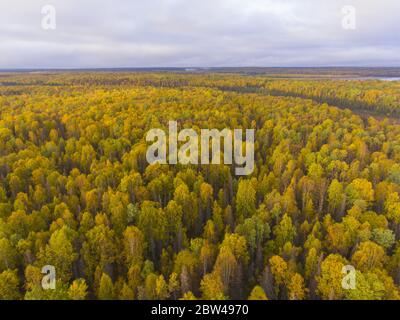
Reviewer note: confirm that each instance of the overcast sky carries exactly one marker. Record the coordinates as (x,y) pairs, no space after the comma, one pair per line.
(198,33)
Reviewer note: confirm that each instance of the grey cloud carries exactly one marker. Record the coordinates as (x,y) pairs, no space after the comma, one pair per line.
(137,33)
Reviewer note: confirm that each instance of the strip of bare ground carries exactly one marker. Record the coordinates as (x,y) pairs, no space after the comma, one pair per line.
(363,113)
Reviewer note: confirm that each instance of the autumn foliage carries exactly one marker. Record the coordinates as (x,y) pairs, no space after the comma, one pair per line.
(76,191)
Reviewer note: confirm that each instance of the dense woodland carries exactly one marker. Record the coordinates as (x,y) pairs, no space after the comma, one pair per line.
(76,191)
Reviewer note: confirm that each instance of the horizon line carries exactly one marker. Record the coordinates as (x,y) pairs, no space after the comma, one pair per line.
(188,68)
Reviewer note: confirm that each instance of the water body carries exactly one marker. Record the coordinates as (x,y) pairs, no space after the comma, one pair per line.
(389,79)
(374,78)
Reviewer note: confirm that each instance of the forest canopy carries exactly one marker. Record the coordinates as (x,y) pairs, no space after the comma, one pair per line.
(77,193)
